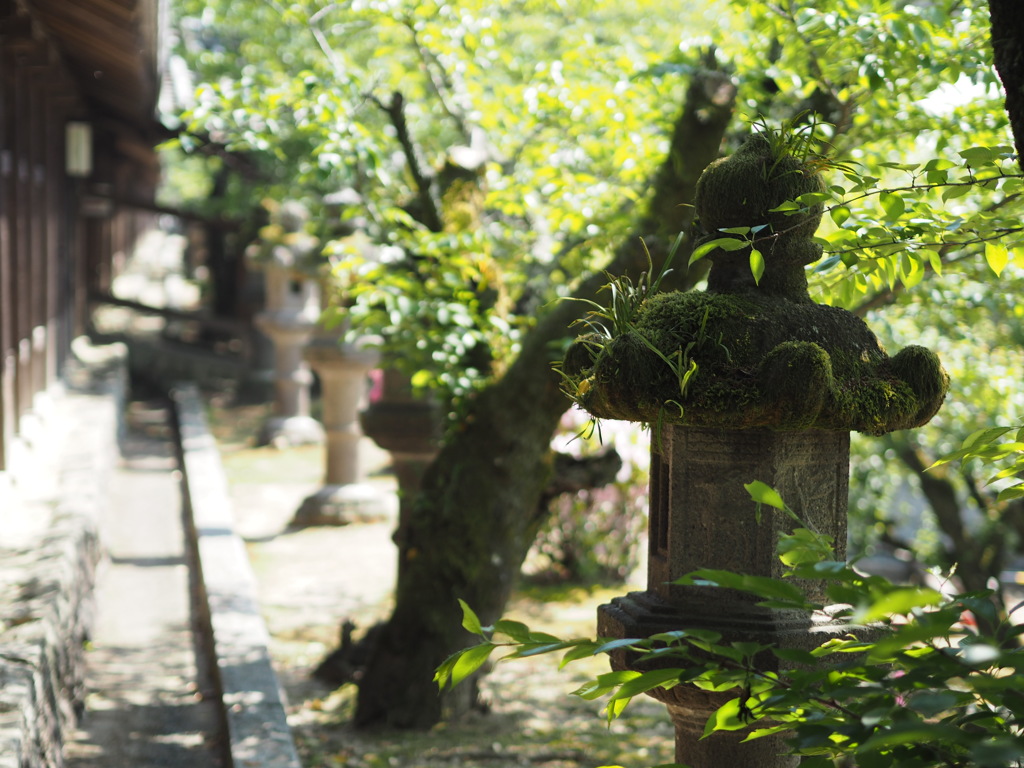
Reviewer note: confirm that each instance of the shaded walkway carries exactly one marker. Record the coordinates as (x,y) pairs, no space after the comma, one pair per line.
(150,703)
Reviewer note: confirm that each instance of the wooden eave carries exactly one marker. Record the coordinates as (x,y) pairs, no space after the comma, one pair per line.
(110,48)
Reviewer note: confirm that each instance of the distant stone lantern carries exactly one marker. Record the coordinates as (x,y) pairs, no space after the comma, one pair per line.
(751,380)
(343,370)
(289,319)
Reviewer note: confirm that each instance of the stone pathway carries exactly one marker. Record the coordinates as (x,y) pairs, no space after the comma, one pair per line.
(148,703)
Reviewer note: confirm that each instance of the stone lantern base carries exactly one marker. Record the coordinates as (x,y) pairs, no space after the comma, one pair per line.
(286,431)
(344,504)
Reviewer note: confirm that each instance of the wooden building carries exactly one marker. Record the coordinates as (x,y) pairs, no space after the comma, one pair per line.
(79,84)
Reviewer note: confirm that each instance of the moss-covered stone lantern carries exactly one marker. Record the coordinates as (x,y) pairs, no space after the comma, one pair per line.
(747,380)
(766,355)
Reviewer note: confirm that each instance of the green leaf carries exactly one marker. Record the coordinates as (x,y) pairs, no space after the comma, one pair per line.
(595,689)
(469,661)
(725,718)
(841,645)
(760,733)
(1000,750)
(612,645)
(544,637)
(984,436)
(537,649)
(748,649)
(839,215)
(997,256)
(890,646)
(906,733)
(444,672)
(1011,493)
(897,602)
(658,678)
(581,651)
(756,265)
(955,191)
(763,493)
(813,198)
(723,243)
(514,630)
(933,703)
(677,635)
(470,622)
(794,655)
(763,586)
(893,205)
(615,708)
(978,156)
(804,547)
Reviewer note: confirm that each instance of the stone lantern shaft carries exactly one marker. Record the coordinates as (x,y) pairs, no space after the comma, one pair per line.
(702,517)
(344,497)
(289,321)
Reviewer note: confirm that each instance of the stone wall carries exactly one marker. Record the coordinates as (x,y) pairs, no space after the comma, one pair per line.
(49,550)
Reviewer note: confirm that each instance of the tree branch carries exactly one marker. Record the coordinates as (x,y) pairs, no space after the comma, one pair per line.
(941,497)
(572,475)
(423,180)
(440,81)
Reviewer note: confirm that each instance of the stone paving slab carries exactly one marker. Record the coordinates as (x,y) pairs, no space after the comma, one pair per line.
(254,705)
(149,703)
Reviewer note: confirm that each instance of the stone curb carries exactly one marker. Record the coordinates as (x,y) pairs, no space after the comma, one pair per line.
(252,699)
(47,580)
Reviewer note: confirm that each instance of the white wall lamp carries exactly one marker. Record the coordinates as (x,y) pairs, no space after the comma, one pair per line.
(78,149)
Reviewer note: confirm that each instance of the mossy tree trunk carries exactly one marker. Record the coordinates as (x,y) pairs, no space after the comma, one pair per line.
(1007,18)
(478,512)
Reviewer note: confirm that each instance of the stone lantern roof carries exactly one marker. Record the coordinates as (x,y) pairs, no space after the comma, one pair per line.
(753,351)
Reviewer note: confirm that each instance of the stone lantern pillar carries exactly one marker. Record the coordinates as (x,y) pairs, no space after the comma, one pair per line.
(289,319)
(409,428)
(342,369)
(751,381)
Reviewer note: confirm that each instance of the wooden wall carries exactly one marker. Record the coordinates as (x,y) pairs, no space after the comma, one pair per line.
(59,236)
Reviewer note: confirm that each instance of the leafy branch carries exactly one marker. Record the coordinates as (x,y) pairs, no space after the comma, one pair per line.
(922,688)
(990,447)
(440,79)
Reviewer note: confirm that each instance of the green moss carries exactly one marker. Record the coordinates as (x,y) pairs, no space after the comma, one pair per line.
(742,355)
(745,190)
(796,380)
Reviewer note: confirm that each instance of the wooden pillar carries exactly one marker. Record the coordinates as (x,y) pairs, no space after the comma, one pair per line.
(7,354)
(40,77)
(58,99)
(19,123)
(61,201)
